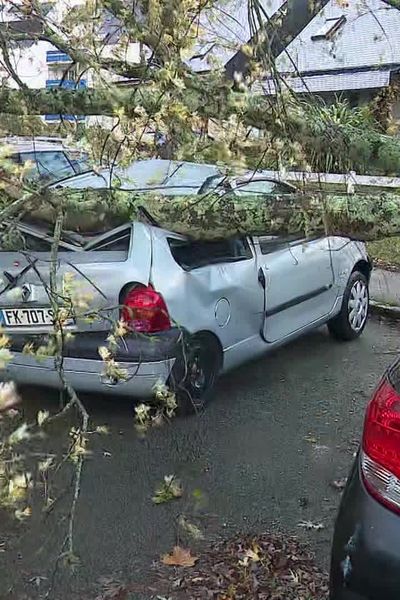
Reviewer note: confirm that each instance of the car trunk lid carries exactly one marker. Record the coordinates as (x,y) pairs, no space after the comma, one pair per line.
(89,279)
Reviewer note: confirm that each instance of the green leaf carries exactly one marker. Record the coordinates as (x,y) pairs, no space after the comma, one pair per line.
(169,490)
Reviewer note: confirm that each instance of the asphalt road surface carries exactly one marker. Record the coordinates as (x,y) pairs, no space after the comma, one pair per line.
(262,457)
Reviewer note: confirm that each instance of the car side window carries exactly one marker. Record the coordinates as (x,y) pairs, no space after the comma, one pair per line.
(271,243)
(49,165)
(262,186)
(117,242)
(194,254)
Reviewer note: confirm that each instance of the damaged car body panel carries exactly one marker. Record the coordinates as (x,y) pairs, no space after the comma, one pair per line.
(243,296)
(217,285)
(86,269)
(99,272)
(192,308)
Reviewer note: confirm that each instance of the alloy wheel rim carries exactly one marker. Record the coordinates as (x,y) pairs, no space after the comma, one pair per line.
(358,305)
(198,377)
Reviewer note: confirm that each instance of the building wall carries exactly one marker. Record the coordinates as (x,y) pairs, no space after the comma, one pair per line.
(30,59)
(41,65)
(30,64)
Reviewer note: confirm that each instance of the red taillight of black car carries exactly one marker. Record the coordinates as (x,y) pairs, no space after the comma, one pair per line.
(380,458)
(144,310)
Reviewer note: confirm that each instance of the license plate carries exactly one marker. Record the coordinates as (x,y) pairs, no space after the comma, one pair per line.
(28,317)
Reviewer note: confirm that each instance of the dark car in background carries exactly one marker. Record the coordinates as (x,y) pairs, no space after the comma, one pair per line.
(50,158)
(366,546)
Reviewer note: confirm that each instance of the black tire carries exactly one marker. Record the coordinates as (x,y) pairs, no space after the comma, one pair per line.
(347,326)
(195,373)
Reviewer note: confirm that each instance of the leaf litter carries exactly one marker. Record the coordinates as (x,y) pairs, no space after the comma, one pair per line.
(179,557)
(339,484)
(170,489)
(266,567)
(310,526)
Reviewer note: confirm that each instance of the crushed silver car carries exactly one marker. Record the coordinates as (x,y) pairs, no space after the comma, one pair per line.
(194,309)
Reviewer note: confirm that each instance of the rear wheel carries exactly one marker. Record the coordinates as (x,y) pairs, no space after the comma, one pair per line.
(350,322)
(193,377)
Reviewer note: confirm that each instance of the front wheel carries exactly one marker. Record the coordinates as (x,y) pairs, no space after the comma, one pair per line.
(193,377)
(350,322)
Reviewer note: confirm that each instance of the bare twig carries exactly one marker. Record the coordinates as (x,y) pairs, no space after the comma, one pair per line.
(74,400)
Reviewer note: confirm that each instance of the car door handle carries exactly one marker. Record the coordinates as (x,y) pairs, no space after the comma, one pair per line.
(261,277)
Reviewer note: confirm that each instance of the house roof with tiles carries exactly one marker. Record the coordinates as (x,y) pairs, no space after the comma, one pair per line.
(348,45)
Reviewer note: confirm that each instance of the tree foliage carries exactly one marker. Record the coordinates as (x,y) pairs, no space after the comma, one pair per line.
(157,105)
(206,116)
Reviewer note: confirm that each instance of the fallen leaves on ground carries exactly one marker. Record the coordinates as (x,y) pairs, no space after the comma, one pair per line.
(190,528)
(179,557)
(339,484)
(170,489)
(311,526)
(266,567)
(112,590)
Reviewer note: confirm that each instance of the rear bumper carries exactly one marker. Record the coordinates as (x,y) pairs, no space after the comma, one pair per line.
(366,547)
(147,360)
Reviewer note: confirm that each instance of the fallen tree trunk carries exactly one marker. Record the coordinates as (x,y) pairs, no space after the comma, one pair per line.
(363,217)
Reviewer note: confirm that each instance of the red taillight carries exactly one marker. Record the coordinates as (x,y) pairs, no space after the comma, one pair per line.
(145,310)
(380,460)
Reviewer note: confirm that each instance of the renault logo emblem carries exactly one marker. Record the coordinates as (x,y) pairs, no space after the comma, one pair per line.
(26,293)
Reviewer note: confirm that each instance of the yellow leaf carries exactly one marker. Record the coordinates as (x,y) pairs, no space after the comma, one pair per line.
(251,555)
(104,352)
(179,557)
(8,396)
(19,435)
(5,357)
(23,514)
(190,528)
(4,341)
(42,416)
(102,429)
(44,465)
(247,50)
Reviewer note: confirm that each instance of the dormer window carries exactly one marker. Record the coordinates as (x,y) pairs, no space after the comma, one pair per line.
(329,28)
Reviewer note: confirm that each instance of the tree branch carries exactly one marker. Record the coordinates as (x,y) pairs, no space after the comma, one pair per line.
(8,64)
(74,399)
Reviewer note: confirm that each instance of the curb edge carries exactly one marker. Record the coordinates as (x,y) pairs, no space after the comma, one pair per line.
(385,309)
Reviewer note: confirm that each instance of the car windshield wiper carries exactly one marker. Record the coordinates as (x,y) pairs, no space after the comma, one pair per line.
(168,177)
(224,184)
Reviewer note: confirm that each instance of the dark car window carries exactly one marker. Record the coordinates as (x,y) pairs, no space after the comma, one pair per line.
(262,186)
(117,242)
(272,243)
(194,254)
(49,165)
